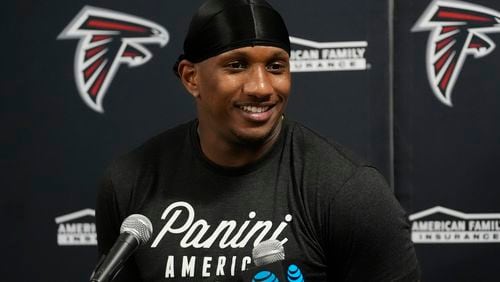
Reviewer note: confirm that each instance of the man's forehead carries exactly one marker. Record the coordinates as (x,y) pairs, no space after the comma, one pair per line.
(254,51)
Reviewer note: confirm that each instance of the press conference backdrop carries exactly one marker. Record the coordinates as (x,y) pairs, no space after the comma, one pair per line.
(447,145)
(66,114)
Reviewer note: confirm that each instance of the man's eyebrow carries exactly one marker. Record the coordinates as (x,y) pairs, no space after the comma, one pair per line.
(235,54)
(282,54)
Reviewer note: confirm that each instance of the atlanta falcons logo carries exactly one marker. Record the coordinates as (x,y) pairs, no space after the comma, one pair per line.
(457,29)
(107,40)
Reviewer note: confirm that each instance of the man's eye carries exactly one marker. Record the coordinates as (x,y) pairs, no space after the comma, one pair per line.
(236,65)
(276,67)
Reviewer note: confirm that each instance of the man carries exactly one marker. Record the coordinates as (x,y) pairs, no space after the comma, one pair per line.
(241,173)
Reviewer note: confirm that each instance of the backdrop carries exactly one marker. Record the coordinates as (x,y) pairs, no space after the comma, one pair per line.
(447,153)
(72,100)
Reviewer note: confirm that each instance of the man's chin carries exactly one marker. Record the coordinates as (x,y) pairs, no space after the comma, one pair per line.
(257,137)
(251,140)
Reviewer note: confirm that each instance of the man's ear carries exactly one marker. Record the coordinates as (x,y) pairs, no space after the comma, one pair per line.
(188,75)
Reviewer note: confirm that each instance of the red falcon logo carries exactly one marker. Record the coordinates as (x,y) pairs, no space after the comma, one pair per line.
(107,40)
(457,30)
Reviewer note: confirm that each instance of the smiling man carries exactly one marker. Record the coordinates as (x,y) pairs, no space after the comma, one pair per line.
(240,96)
(241,173)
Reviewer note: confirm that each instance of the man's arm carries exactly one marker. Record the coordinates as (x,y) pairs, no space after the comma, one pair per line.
(370,232)
(108,222)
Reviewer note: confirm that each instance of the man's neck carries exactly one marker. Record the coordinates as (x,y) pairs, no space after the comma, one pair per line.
(235,154)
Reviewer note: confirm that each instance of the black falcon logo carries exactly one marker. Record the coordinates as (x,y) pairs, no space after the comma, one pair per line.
(457,30)
(107,40)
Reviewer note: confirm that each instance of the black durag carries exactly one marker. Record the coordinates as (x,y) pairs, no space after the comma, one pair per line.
(222,25)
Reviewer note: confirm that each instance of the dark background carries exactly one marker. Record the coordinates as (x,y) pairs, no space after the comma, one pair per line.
(55,148)
(447,156)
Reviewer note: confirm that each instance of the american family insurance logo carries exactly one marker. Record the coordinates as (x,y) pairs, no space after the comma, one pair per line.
(443,225)
(108,39)
(312,56)
(77,229)
(457,32)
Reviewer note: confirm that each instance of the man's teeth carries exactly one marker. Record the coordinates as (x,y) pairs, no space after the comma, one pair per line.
(253,109)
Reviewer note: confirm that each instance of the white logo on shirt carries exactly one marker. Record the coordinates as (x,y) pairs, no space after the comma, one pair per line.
(223,235)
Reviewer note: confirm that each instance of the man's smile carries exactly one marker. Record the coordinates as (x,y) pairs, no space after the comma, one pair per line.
(255,109)
(257,112)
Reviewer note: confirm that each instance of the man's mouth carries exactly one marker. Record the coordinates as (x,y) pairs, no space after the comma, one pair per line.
(255,109)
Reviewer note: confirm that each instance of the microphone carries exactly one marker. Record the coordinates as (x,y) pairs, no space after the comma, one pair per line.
(269,257)
(135,231)
(268,252)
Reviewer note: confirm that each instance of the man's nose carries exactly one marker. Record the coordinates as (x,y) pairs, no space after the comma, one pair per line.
(259,83)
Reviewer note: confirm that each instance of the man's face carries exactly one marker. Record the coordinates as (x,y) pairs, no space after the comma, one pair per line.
(242,93)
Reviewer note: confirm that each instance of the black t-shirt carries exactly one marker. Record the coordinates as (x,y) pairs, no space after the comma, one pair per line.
(335,215)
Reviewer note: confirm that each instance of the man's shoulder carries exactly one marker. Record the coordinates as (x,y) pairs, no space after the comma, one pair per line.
(323,160)
(161,146)
(313,144)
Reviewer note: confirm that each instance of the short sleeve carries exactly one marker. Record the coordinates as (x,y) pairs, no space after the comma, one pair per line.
(369,232)
(108,222)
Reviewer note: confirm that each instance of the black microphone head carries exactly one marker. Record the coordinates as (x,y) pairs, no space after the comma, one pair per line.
(139,226)
(268,252)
